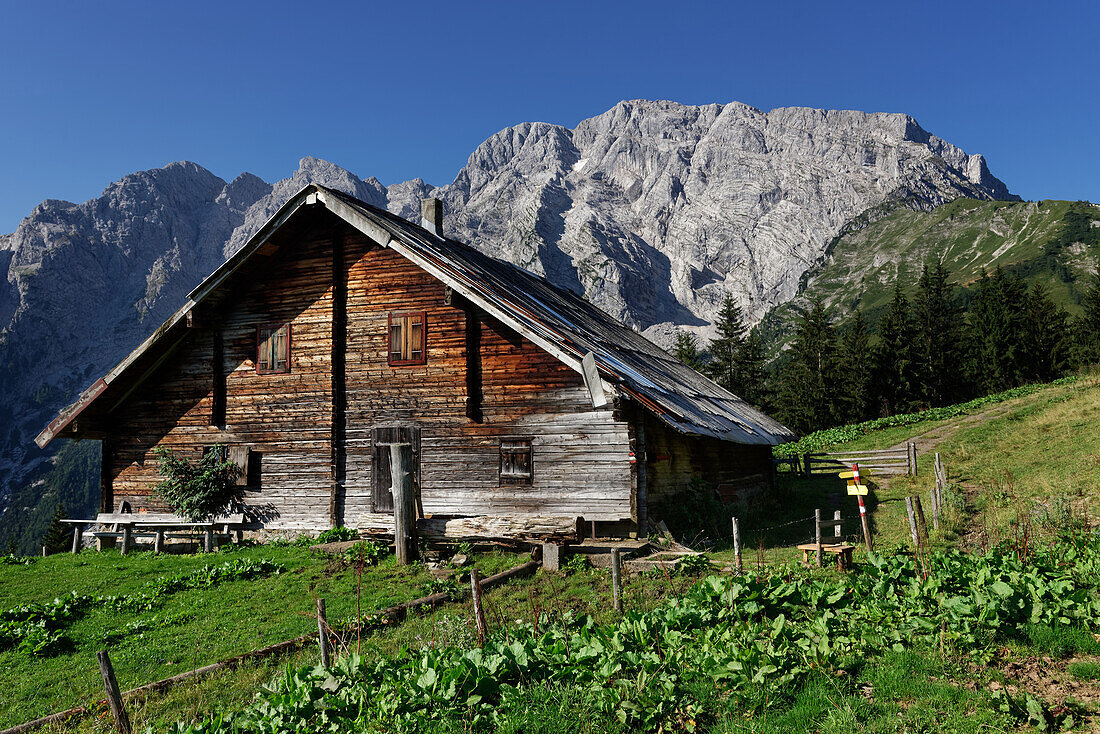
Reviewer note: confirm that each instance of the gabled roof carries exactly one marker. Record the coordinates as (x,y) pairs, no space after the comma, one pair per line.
(557,320)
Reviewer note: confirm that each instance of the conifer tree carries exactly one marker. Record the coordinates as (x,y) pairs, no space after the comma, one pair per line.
(58,536)
(725,348)
(996,332)
(807,384)
(1086,328)
(894,371)
(937,345)
(1046,332)
(752,374)
(686,349)
(855,371)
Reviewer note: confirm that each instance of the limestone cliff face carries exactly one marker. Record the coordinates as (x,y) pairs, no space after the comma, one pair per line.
(653,210)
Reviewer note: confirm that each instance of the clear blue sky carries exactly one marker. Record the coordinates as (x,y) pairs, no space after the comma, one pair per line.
(90,91)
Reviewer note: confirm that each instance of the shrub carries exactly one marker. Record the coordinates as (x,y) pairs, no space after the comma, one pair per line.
(337,535)
(198,491)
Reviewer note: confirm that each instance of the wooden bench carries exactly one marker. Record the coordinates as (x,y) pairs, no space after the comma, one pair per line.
(842,551)
(128,526)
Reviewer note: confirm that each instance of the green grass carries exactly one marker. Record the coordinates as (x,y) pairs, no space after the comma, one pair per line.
(220,622)
(1084,670)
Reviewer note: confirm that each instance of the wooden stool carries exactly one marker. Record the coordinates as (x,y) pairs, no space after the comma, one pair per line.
(842,551)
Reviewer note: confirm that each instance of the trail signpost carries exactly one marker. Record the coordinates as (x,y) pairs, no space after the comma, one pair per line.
(859,490)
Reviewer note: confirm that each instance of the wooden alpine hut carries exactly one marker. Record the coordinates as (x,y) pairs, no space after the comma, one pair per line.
(340,328)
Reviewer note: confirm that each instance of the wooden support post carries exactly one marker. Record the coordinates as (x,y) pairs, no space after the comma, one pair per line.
(208,540)
(616,581)
(322,633)
(44,553)
(126,530)
(912,522)
(806,465)
(479,610)
(78,538)
(935,510)
(737,546)
(404,503)
(836,528)
(817,530)
(922,522)
(912,459)
(114,694)
(158,542)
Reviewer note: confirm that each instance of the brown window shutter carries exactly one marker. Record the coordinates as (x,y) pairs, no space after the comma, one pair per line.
(238,455)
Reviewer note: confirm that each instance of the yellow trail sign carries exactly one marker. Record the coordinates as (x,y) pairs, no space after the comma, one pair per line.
(848,475)
(857,489)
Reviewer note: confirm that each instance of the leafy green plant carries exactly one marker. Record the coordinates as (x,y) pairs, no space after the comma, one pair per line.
(577,563)
(337,535)
(366,552)
(448,585)
(694,565)
(743,639)
(198,490)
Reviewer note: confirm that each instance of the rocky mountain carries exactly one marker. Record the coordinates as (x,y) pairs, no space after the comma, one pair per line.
(653,210)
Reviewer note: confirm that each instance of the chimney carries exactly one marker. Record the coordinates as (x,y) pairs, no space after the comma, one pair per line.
(431,216)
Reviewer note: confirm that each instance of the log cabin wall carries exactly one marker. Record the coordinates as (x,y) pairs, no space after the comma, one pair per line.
(314,455)
(675,461)
(285,418)
(580,455)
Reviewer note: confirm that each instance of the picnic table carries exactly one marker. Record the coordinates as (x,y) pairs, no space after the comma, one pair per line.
(155,525)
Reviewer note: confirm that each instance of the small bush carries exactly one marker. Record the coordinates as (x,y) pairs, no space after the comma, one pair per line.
(198,491)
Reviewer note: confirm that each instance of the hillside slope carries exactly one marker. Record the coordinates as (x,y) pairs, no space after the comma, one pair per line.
(1056,243)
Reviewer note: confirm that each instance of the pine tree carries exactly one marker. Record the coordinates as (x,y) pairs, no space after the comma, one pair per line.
(58,536)
(725,349)
(997,334)
(894,371)
(752,374)
(686,349)
(1046,339)
(1086,328)
(937,345)
(855,371)
(807,384)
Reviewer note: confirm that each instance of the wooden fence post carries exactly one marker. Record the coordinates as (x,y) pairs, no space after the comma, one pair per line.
(817,530)
(404,503)
(912,447)
(737,546)
(322,633)
(616,581)
(935,509)
(114,694)
(922,523)
(479,610)
(806,464)
(912,522)
(158,542)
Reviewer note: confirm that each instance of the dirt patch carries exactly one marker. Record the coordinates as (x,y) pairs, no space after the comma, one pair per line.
(1047,679)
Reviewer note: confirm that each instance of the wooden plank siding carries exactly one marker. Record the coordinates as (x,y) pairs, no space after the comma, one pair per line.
(315,452)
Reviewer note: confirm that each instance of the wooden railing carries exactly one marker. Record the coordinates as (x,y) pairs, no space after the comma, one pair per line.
(884,461)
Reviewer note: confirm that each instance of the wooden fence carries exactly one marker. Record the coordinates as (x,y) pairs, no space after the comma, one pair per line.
(885,461)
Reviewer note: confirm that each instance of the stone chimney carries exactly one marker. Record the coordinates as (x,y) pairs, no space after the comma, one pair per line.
(431,216)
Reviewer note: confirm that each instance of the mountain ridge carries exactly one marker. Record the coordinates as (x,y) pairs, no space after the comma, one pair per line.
(653,210)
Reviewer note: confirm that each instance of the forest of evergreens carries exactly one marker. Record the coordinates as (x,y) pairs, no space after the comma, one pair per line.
(941,344)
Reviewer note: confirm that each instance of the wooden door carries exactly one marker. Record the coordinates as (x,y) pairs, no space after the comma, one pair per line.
(382,493)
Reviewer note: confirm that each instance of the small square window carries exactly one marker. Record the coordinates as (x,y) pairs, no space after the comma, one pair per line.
(515,461)
(407,338)
(273,349)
